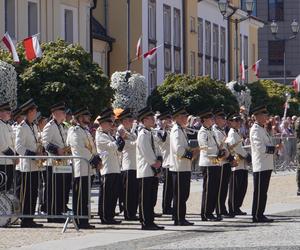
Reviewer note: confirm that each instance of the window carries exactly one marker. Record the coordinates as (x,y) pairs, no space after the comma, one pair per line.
(32,18)
(223,43)
(215,69)
(243,4)
(177,28)
(167,24)
(69,35)
(216,41)
(152,19)
(200,65)
(207,38)
(193,63)
(177,61)
(276,10)
(207,66)
(168,59)
(10,6)
(223,71)
(152,79)
(276,52)
(200,35)
(193,24)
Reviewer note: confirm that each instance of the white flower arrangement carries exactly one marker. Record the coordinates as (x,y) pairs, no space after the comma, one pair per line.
(8,84)
(243,96)
(130,91)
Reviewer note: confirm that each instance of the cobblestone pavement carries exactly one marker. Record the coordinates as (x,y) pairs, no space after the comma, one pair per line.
(235,232)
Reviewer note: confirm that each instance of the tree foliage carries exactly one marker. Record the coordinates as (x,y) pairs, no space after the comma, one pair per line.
(272,94)
(64,73)
(195,93)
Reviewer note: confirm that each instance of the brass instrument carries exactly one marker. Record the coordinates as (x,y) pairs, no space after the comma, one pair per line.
(88,145)
(40,152)
(63,162)
(230,148)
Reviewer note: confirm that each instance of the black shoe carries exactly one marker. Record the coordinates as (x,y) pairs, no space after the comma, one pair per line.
(31,225)
(224,213)
(157,215)
(219,218)
(67,209)
(209,217)
(183,223)
(86,226)
(152,227)
(111,222)
(230,215)
(240,212)
(59,220)
(168,211)
(263,219)
(298,193)
(134,218)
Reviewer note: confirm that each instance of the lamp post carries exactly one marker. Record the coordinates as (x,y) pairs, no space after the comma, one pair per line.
(295,31)
(224,8)
(128,35)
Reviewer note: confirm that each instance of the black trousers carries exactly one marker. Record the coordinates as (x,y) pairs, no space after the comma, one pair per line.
(155,191)
(57,190)
(211,183)
(29,193)
(6,177)
(121,195)
(261,184)
(181,193)
(167,191)
(108,196)
(147,187)
(237,189)
(17,183)
(223,188)
(80,198)
(131,193)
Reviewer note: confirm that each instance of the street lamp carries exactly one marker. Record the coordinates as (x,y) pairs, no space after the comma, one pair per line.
(227,12)
(295,31)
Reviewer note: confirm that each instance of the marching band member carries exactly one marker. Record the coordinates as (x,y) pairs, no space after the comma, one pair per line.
(129,180)
(7,147)
(163,135)
(262,149)
(54,138)
(239,177)
(110,147)
(27,144)
(211,155)
(148,164)
(220,133)
(82,145)
(181,165)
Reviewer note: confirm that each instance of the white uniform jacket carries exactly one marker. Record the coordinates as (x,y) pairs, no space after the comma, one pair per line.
(82,145)
(129,151)
(178,150)
(221,136)
(145,153)
(107,146)
(262,149)
(54,136)
(7,139)
(163,137)
(26,145)
(235,140)
(208,147)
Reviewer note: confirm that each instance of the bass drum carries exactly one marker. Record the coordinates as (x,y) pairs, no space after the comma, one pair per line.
(6,208)
(16,207)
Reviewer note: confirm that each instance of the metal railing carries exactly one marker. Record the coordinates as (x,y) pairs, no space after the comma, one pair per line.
(44,193)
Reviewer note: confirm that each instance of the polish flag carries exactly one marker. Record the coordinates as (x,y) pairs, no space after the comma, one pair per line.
(139,48)
(32,48)
(242,71)
(296,84)
(255,68)
(11,47)
(151,53)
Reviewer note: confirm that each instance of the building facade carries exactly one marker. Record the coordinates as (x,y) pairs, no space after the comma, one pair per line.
(271,51)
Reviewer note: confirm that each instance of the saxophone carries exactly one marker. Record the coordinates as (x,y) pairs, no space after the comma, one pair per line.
(40,152)
(231,148)
(63,162)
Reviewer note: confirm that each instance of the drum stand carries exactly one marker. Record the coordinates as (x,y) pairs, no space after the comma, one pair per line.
(69,219)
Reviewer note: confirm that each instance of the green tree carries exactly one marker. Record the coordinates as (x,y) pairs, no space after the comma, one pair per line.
(64,73)
(272,94)
(196,93)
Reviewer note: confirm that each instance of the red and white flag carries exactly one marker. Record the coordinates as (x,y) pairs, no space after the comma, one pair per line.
(255,68)
(151,53)
(11,47)
(296,84)
(242,71)
(32,48)
(139,48)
